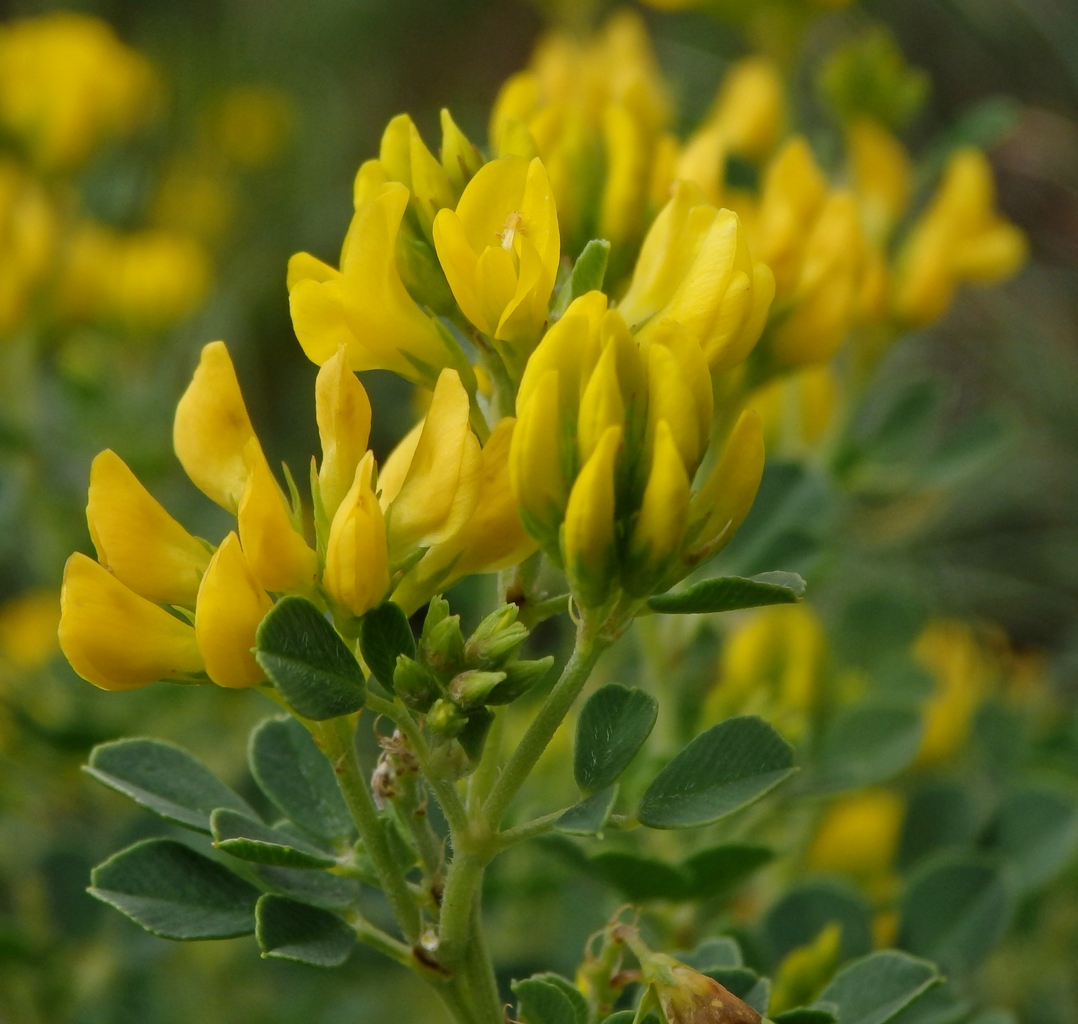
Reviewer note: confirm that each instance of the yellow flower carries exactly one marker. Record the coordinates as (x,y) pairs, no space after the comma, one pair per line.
(805,970)
(491,539)
(858,835)
(211,429)
(67,84)
(664,515)
(588,533)
(797,410)
(750,107)
(959,239)
(500,250)
(343,411)
(364,306)
(695,268)
(137,540)
(116,639)
(406,159)
(430,484)
(882,176)
(230,607)
(28,231)
(461,160)
(357,556)
(279,557)
(28,628)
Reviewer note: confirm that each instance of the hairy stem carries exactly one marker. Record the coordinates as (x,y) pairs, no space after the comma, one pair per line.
(481,969)
(339,740)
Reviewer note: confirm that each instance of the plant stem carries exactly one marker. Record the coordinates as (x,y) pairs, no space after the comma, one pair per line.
(575,674)
(528,829)
(481,968)
(479,785)
(339,739)
(461,886)
(411,805)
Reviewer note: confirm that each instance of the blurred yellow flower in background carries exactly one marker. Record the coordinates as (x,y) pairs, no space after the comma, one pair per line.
(28,629)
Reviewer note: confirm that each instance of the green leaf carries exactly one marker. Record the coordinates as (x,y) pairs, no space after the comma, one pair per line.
(868,743)
(613,725)
(623,1017)
(718,870)
(571,992)
(318,888)
(940,815)
(540,1001)
(309,662)
(729,593)
(728,767)
(288,930)
(941,1004)
(163,778)
(588,273)
(954,912)
(243,837)
(715,954)
(1036,829)
(588,817)
(176,893)
(640,878)
(297,778)
(806,1015)
(385,636)
(875,988)
(805,910)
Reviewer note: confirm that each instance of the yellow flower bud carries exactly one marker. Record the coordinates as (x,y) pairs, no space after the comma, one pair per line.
(882,177)
(500,250)
(750,107)
(493,538)
(695,268)
(588,532)
(231,604)
(279,557)
(663,518)
(212,428)
(343,411)
(536,464)
(703,162)
(628,150)
(406,159)
(460,158)
(440,486)
(858,835)
(517,100)
(601,405)
(365,306)
(137,540)
(720,506)
(357,557)
(116,639)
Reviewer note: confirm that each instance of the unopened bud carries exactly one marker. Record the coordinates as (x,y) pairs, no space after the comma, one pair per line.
(688,997)
(520,677)
(470,688)
(414,684)
(443,647)
(445,719)
(496,638)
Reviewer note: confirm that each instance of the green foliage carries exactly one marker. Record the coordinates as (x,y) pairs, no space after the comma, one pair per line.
(727,768)
(729,593)
(806,909)
(590,815)
(613,725)
(247,839)
(587,275)
(384,637)
(543,1001)
(165,779)
(175,892)
(307,660)
(287,930)
(875,989)
(868,743)
(1036,830)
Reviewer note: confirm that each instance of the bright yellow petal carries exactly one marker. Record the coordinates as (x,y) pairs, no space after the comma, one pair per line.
(343,411)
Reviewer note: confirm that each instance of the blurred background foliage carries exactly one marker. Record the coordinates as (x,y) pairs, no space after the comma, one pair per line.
(940,535)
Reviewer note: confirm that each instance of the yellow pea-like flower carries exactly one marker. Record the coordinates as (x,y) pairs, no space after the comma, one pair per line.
(660,526)
(406,159)
(882,174)
(695,268)
(858,835)
(137,540)
(461,160)
(628,146)
(500,250)
(28,625)
(721,504)
(493,537)
(601,405)
(439,487)
(536,465)
(279,558)
(588,539)
(343,412)
(357,555)
(750,108)
(212,428)
(365,306)
(231,604)
(116,639)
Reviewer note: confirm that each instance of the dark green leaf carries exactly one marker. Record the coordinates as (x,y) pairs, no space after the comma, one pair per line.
(877,987)
(243,837)
(385,636)
(717,870)
(954,912)
(288,930)
(640,878)
(806,1015)
(541,1002)
(588,273)
(729,593)
(305,656)
(163,778)
(716,954)
(939,816)
(474,734)
(318,888)
(571,992)
(800,915)
(1036,829)
(613,725)
(588,817)
(941,1004)
(297,778)
(868,743)
(623,1017)
(728,767)
(175,892)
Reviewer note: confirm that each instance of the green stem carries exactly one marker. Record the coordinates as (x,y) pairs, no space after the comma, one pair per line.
(461,887)
(484,983)
(372,936)
(532,614)
(339,740)
(411,805)
(539,734)
(528,829)
(482,780)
